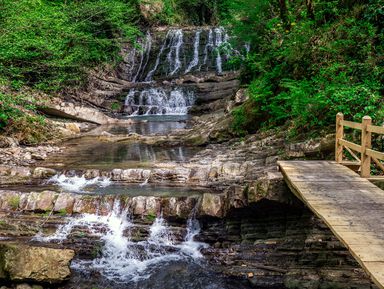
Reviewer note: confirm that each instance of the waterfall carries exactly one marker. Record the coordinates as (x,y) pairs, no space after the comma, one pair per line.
(145,54)
(122,259)
(150,74)
(170,61)
(173,56)
(159,101)
(208,46)
(218,42)
(195,60)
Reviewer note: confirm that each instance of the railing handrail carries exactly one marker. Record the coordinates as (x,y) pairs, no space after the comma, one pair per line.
(367,154)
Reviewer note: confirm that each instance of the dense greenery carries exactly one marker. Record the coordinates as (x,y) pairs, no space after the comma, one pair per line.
(18,118)
(184,12)
(309,60)
(49,44)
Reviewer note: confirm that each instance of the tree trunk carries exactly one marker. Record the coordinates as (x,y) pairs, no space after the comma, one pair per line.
(284,14)
(310,9)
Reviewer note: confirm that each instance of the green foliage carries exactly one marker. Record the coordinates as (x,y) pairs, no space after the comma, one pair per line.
(191,12)
(14,202)
(11,107)
(62,212)
(50,44)
(318,65)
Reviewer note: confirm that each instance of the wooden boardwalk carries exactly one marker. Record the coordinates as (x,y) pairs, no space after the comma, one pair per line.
(351,206)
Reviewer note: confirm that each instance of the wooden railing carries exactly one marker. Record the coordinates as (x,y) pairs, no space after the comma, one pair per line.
(367,154)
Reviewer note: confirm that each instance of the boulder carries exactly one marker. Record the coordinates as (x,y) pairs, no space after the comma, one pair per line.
(76,112)
(23,262)
(213,205)
(9,200)
(86,204)
(41,173)
(64,203)
(42,201)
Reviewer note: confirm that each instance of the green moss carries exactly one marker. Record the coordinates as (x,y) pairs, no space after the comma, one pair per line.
(14,202)
(150,217)
(62,212)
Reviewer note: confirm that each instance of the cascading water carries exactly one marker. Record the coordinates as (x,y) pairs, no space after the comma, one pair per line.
(178,54)
(195,60)
(159,101)
(77,183)
(122,259)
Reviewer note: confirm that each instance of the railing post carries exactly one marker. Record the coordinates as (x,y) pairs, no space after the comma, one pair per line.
(365,144)
(339,135)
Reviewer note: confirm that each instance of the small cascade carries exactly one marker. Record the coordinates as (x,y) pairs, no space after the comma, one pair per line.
(122,259)
(144,58)
(77,184)
(196,45)
(173,56)
(159,101)
(219,40)
(208,47)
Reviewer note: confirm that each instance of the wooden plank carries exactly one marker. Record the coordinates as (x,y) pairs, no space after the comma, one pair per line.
(375,154)
(366,143)
(376,271)
(339,135)
(375,129)
(378,163)
(351,206)
(351,124)
(351,145)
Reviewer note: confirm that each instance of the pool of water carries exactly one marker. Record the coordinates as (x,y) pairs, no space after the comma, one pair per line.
(151,124)
(132,190)
(91,153)
(181,274)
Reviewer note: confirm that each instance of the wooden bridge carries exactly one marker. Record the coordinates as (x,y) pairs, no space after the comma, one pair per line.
(347,201)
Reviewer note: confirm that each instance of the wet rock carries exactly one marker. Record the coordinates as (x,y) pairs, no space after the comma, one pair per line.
(42,201)
(42,173)
(134,175)
(91,174)
(22,262)
(76,112)
(146,206)
(64,203)
(198,175)
(106,205)
(9,200)
(86,204)
(237,197)
(179,175)
(24,286)
(213,205)
(181,207)
(73,127)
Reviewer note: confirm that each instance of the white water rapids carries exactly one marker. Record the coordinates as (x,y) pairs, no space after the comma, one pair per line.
(123,260)
(77,184)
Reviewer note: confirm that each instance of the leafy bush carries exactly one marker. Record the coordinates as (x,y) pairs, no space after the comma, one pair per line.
(50,44)
(312,63)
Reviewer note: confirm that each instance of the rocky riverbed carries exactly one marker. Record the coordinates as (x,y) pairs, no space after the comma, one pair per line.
(254,230)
